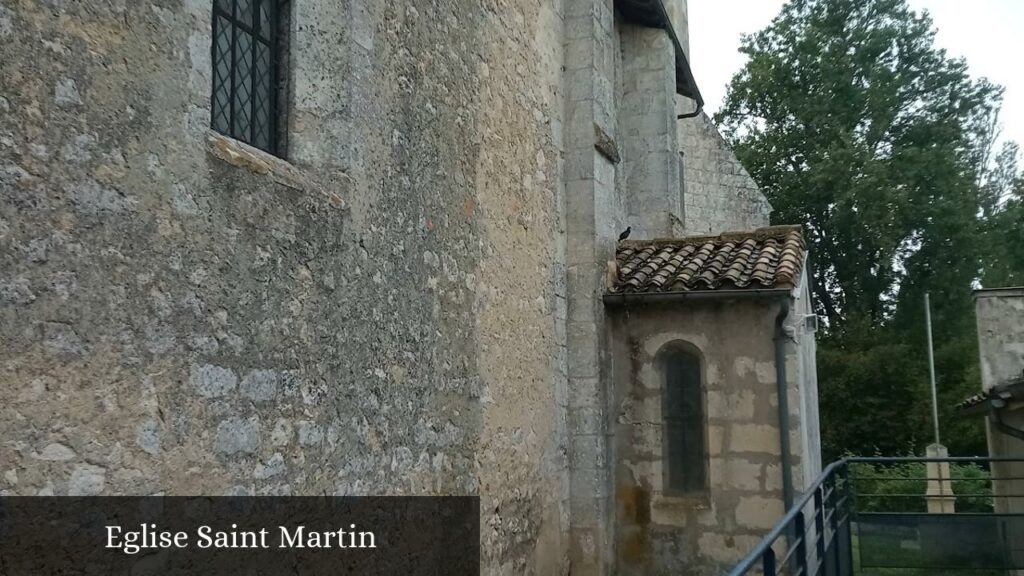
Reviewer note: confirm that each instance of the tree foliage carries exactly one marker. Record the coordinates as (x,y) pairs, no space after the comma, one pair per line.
(855,125)
(1003,221)
(902,487)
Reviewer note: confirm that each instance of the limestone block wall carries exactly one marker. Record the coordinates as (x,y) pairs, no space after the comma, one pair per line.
(704,533)
(620,161)
(718,194)
(647,131)
(379,314)
(594,218)
(678,14)
(802,373)
(1000,317)
(407,303)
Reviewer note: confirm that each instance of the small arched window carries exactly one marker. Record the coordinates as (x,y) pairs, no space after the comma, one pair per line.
(684,422)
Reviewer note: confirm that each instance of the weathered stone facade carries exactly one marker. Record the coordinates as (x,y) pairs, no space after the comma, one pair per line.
(378,316)
(1000,314)
(660,531)
(718,193)
(1000,317)
(408,304)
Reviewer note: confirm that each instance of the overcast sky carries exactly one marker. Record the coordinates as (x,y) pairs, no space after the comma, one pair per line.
(989,34)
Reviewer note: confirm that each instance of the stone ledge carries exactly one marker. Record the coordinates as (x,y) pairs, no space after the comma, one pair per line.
(605,144)
(669,503)
(242,155)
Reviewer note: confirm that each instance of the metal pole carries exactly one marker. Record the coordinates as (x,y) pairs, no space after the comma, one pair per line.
(931,367)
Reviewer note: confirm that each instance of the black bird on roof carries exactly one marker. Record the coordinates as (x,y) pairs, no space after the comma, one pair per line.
(625,233)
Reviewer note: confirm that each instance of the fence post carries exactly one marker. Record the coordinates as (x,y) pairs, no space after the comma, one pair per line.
(850,507)
(941,499)
(836,548)
(801,548)
(768,562)
(819,526)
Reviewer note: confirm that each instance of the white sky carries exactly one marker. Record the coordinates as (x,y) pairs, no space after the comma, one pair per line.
(989,34)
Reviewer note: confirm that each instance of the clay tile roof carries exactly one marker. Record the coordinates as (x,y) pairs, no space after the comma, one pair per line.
(765,258)
(1012,389)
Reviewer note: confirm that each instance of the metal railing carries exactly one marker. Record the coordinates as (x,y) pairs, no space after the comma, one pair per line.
(900,516)
(784,550)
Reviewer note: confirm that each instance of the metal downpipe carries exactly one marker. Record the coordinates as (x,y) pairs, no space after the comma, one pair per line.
(997,419)
(696,111)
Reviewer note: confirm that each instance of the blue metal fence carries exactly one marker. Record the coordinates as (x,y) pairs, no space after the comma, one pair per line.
(870,516)
(786,548)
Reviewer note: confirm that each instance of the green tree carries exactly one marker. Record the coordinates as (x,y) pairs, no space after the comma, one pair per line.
(902,487)
(855,125)
(1003,221)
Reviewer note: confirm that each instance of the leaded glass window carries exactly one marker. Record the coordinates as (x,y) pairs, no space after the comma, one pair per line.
(684,423)
(248,44)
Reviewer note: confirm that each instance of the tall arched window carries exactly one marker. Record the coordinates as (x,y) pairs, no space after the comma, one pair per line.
(684,422)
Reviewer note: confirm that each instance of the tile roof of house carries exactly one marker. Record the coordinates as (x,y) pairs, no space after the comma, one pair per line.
(1012,389)
(766,258)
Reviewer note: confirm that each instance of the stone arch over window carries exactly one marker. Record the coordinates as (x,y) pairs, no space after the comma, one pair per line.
(684,419)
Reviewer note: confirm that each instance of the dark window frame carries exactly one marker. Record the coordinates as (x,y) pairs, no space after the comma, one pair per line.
(684,422)
(247,57)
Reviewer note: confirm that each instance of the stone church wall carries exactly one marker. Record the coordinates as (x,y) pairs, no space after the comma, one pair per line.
(408,304)
(718,194)
(700,533)
(1000,313)
(382,314)
(1000,316)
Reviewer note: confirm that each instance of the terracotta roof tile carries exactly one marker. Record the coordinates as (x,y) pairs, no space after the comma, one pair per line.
(1011,390)
(769,257)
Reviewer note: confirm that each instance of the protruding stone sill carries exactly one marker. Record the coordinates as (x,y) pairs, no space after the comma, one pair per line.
(605,144)
(242,155)
(700,498)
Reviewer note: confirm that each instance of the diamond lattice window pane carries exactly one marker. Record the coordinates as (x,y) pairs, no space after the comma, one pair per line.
(243,103)
(220,111)
(261,96)
(243,85)
(265,24)
(244,11)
